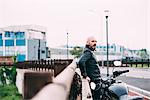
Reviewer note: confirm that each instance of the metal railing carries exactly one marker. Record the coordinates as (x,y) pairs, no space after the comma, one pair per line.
(57,65)
(127,63)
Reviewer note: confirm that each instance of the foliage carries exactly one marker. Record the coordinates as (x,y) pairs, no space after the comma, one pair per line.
(143,53)
(9,92)
(76,51)
(8,74)
(2,78)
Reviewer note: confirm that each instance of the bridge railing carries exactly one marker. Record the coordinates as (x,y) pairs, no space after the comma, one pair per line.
(127,62)
(45,65)
(59,89)
(34,75)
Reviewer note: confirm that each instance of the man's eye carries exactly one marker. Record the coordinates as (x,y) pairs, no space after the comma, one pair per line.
(94,41)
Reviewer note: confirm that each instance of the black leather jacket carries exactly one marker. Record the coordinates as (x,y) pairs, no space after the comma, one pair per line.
(89,65)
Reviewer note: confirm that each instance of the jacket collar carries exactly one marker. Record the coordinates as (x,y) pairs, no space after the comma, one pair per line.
(87,47)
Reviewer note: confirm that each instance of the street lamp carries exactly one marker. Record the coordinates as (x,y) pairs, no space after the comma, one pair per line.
(67,47)
(106,16)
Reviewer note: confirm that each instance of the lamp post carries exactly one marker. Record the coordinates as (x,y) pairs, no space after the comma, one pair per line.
(106,16)
(67,47)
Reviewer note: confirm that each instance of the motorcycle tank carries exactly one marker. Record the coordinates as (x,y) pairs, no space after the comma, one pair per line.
(118,89)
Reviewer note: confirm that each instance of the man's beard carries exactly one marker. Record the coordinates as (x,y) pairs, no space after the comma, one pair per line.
(93,48)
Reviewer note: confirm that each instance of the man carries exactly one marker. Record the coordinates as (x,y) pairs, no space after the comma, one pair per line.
(89,66)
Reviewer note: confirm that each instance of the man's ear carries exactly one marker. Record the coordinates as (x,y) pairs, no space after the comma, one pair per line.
(87,43)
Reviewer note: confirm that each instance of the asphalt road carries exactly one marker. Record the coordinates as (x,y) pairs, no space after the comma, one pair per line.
(138,77)
(137,82)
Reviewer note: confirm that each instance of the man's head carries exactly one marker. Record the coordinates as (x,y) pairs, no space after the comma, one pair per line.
(91,42)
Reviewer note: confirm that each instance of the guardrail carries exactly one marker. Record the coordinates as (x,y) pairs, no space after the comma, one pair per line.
(42,72)
(127,63)
(45,65)
(54,63)
(59,89)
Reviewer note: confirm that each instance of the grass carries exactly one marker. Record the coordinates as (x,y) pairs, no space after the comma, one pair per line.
(9,92)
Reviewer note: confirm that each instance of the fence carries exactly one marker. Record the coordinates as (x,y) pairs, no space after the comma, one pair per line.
(141,62)
(127,63)
(59,89)
(59,64)
(36,74)
(45,65)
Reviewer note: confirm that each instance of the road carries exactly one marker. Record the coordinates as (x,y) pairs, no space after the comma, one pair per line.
(138,77)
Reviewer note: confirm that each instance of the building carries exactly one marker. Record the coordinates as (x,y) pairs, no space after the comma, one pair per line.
(60,53)
(27,42)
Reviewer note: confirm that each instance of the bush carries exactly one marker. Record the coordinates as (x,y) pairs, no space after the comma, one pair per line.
(8,74)
(9,92)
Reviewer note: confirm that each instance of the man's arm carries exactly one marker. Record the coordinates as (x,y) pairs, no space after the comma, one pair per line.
(82,63)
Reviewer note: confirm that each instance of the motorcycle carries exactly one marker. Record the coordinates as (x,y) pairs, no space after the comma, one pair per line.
(111,89)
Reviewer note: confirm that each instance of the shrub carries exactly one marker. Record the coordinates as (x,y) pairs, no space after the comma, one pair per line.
(9,92)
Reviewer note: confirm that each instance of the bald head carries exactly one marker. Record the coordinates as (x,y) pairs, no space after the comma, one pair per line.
(91,42)
(89,39)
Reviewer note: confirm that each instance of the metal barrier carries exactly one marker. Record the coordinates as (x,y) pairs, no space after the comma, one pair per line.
(127,63)
(57,65)
(59,89)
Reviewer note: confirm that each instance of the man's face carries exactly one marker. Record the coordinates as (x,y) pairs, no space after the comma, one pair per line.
(92,43)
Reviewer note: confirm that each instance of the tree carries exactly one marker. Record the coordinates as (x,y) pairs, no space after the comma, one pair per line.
(76,51)
(143,53)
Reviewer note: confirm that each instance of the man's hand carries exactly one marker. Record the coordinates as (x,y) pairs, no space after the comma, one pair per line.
(88,79)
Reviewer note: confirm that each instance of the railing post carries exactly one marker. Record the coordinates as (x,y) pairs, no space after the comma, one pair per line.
(142,61)
(136,63)
(126,62)
(148,62)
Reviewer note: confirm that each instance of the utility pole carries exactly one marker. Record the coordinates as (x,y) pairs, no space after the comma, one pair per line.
(106,16)
(67,47)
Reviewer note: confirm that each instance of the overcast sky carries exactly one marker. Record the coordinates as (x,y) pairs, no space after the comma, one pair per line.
(129,23)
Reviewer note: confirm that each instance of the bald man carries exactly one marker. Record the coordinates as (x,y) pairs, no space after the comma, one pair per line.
(89,66)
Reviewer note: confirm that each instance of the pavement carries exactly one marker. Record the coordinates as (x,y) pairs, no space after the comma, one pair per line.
(133,72)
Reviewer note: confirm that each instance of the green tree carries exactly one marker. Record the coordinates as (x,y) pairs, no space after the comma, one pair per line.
(143,53)
(76,51)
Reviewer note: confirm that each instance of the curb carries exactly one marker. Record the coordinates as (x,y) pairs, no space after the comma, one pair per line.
(139,91)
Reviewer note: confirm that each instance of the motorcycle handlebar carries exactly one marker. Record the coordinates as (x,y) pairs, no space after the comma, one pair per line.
(117,73)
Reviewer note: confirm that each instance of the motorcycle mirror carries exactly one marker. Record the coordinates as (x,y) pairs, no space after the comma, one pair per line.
(93,85)
(117,63)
